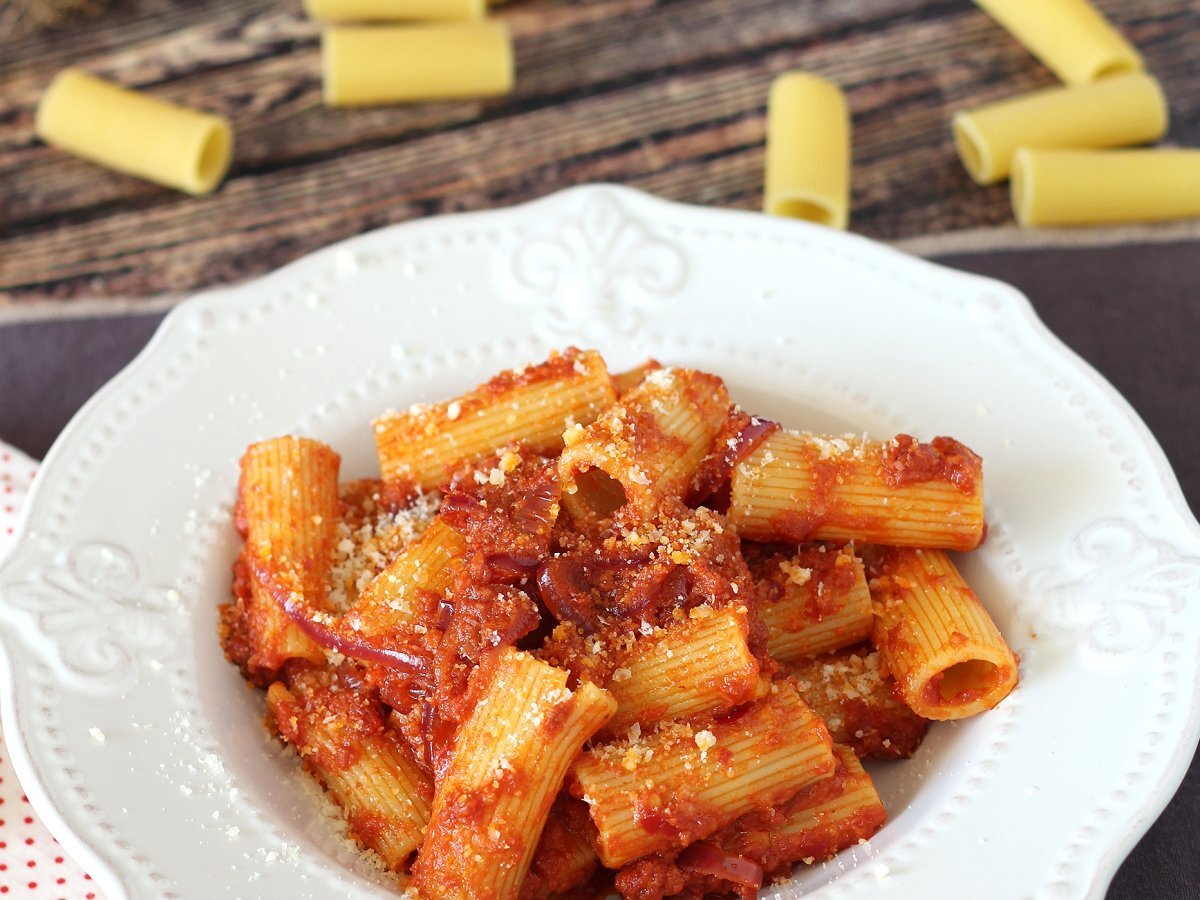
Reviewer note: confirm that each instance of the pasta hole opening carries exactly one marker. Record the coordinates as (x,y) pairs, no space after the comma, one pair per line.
(967,680)
(214,159)
(598,493)
(971,151)
(808,210)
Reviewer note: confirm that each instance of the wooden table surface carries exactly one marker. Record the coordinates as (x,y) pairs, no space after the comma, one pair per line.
(664,95)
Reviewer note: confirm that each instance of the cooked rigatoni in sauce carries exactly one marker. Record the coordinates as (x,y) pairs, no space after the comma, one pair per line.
(591,631)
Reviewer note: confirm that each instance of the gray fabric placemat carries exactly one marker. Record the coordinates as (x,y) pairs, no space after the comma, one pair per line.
(1133,312)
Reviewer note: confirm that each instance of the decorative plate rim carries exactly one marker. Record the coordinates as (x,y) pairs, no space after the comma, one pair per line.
(107,872)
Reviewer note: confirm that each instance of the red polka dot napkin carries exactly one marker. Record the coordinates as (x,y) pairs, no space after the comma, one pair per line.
(32,864)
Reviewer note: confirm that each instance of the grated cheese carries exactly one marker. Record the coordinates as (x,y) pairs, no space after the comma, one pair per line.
(365,550)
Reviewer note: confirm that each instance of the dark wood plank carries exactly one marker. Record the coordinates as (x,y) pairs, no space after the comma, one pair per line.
(666,95)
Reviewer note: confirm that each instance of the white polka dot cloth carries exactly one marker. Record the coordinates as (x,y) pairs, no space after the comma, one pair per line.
(32,864)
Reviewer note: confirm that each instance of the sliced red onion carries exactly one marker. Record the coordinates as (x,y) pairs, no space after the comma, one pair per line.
(532,514)
(457,504)
(707,859)
(563,586)
(747,440)
(332,634)
(445,612)
(509,567)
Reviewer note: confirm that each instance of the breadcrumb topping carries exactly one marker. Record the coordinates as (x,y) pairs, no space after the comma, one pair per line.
(849,675)
(796,573)
(361,551)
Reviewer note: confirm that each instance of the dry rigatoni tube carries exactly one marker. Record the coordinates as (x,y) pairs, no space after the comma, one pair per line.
(288,508)
(426,445)
(1093,187)
(383,793)
(134,133)
(800,487)
(808,151)
(813,601)
(698,665)
(646,447)
(377,65)
(1071,37)
(510,758)
(1114,112)
(645,792)
(945,652)
(395,10)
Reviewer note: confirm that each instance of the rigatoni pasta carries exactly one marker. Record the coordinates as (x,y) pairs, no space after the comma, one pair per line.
(382,64)
(428,566)
(565,858)
(800,487)
(679,784)
(646,447)
(701,664)
(135,133)
(821,819)
(395,10)
(425,445)
(385,793)
(949,659)
(812,601)
(287,510)
(1092,187)
(570,638)
(854,693)
(1071,37)
(1113,112)
(626,381)
(509,762)
(808,151)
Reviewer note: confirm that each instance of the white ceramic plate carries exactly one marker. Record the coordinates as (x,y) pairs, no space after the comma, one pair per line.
(145,753)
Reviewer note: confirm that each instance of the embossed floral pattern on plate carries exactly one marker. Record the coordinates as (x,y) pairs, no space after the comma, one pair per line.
(592,273)
(101,623)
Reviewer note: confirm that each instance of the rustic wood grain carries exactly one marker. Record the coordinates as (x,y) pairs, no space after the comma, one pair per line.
(665,95)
